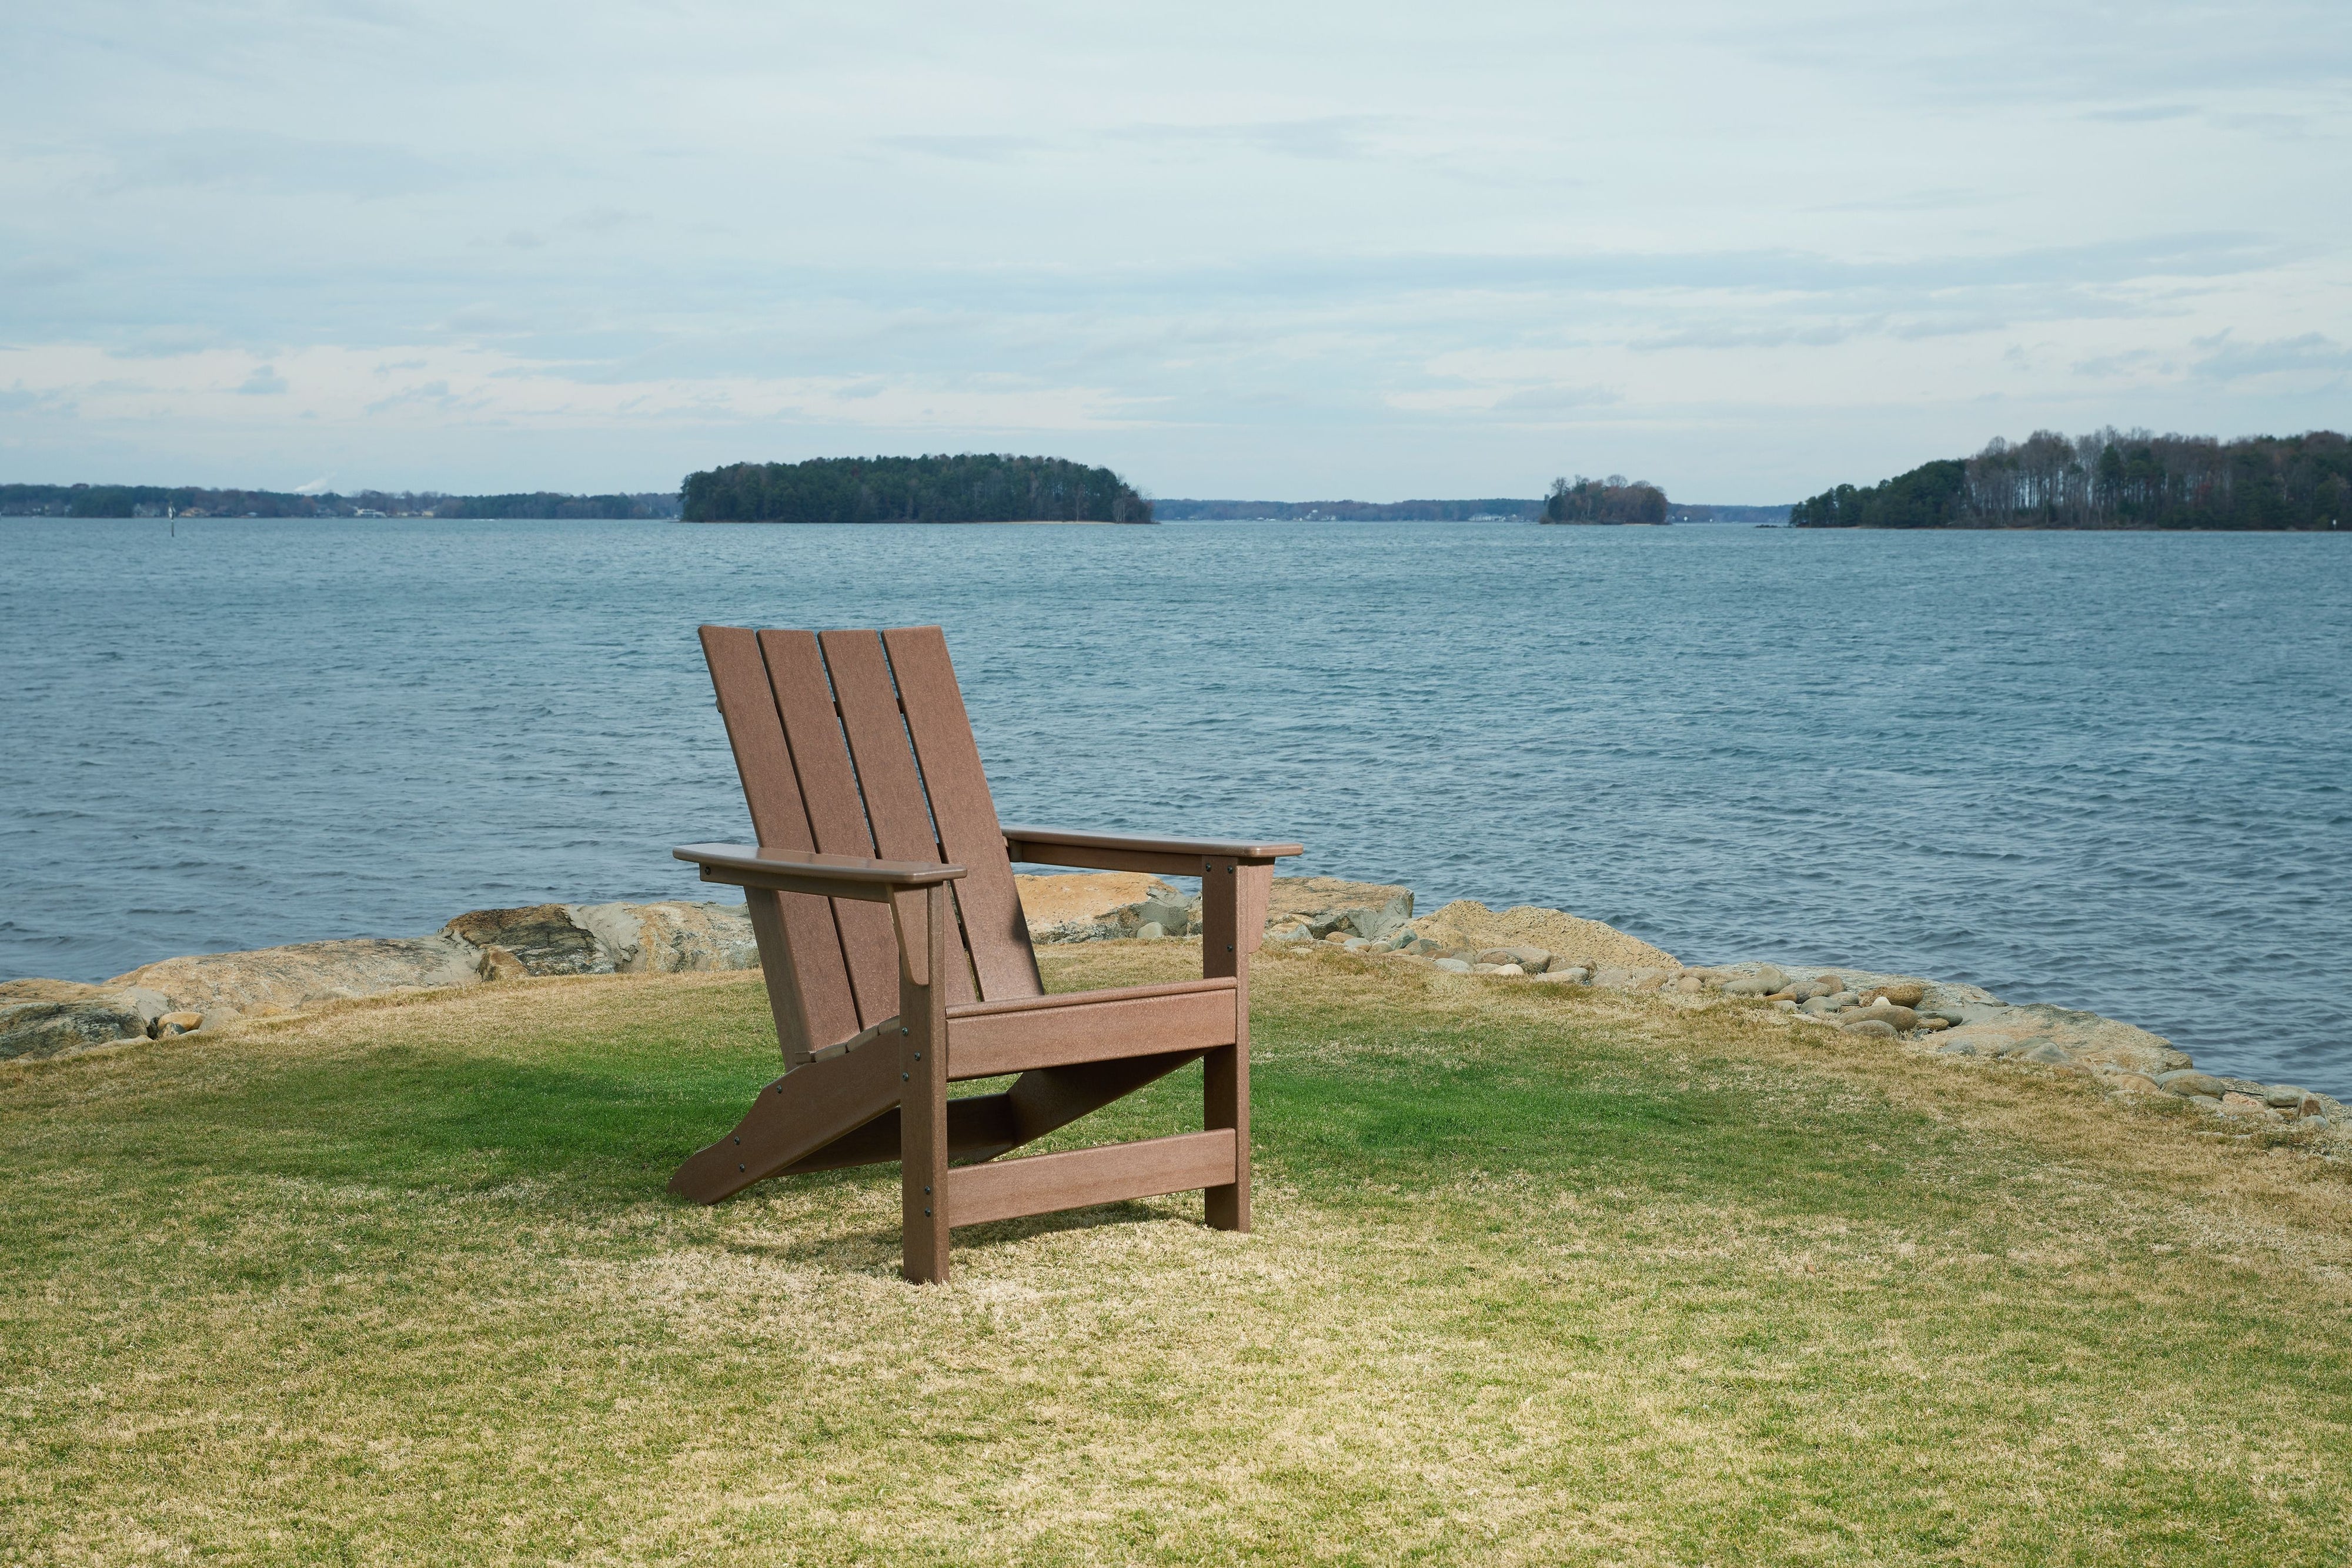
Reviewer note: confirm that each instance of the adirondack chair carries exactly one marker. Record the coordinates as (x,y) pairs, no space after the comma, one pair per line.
(897,959)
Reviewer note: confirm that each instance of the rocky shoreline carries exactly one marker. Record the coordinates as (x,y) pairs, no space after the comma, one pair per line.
(1959,1023)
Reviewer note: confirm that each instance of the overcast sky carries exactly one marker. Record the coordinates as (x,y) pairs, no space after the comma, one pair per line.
(1286,252)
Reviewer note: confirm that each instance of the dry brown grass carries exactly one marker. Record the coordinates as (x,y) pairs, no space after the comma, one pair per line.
(1540,1276)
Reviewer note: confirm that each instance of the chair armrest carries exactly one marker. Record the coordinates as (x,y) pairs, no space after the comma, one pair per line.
(829,877)
(1136,852)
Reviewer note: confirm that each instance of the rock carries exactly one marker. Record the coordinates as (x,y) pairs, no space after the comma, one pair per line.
(1508,969)
(1566,974)
(672,936)
(178,1023)
(543,935)
(2246,1086)
(1903,1019)
(1087,907)
(226,986)
(1174,914)
(1149,929)
(1291,933)
(1902,993)
(1818,1007)
(2187,1082)
(1451,965)
(2086,1038)
(1690,985)
(1533,960)
(1933,1024)
(1870,1027)
(2131,1083)
(1325,903)
(2244,1104)
(58,1018)
(2286,1096)
(1752,986)
(1565,937)
(499,963)
(1338,938)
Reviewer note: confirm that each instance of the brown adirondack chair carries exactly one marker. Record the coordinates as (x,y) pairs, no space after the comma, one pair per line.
(869,804)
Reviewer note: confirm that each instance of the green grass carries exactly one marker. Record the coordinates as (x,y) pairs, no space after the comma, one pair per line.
(1539,1277)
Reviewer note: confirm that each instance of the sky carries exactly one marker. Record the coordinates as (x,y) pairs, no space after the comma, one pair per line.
(1267,251)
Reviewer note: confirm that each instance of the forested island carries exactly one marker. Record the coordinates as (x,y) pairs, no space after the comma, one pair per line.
(971,488)
(2108,479)
(1614,499)
(197,501)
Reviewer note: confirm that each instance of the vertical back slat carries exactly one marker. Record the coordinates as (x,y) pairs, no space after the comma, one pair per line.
(818,989)
(886,765)
(962,806)
(805,700)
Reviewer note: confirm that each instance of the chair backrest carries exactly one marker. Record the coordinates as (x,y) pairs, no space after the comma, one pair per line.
(858,743)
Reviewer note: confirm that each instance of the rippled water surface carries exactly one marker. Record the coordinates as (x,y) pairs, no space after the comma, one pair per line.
(2105,770)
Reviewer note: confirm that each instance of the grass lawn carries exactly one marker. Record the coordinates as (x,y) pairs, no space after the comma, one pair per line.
(1539,1277)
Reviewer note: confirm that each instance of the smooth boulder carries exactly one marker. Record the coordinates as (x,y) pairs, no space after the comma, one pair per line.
(671,936)
(1372,910)
(2065,1035)
(545,937)
(58,1018)
(223,985)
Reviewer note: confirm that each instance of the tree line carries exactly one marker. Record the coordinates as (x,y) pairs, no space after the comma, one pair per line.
(2108,479)
(1344,511)
(971,488)
(198,501)
(1614,499)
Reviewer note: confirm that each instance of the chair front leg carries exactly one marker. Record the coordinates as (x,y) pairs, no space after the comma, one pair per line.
(922,917)
(1233,897)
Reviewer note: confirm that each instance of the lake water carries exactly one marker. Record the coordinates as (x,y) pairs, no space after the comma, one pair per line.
(2108,770)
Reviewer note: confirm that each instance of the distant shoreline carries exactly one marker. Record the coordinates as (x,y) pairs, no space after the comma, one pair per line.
(926,523)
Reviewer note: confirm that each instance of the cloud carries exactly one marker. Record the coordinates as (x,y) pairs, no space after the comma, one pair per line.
(602,221)
(1328,138)
(2308,355)
(265,381)
(2142,114)
(270,163)
(1250,251)
(966,148)
(38,272)
(1818,335)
